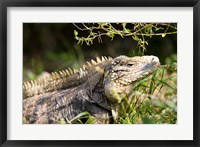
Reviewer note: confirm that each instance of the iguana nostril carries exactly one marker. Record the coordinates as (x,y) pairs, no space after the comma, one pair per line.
(155,59)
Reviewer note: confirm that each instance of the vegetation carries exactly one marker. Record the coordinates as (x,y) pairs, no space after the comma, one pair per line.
(154,99)
(138,31)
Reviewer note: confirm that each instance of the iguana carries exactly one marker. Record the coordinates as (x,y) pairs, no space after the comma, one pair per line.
(93,88)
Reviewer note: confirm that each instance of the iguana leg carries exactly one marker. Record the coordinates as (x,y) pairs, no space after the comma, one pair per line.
(102,118)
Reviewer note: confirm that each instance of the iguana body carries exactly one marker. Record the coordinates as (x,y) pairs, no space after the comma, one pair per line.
(93,88)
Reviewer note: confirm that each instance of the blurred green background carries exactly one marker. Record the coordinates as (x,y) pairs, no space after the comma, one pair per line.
(52,46)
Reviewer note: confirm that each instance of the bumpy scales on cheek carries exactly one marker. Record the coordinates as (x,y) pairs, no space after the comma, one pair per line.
(124,71)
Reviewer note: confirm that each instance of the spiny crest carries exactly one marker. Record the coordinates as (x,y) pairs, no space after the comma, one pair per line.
(64,73)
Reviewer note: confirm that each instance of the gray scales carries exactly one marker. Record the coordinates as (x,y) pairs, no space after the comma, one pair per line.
(95,88)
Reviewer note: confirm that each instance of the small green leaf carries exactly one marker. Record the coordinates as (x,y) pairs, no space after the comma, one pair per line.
(127,30)
(75,33)
(163,35)
(160,28)
(135,38)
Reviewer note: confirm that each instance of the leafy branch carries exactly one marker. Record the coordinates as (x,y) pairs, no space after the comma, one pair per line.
(138,31)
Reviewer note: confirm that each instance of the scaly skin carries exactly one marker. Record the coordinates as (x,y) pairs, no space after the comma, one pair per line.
(94,88)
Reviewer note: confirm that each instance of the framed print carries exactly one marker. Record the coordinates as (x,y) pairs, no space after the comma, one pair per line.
(98,73)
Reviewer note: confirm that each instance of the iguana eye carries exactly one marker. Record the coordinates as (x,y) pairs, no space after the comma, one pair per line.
(132,63)
(129,64)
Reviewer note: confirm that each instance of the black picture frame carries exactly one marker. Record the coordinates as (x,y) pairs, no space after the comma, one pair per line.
(4,4)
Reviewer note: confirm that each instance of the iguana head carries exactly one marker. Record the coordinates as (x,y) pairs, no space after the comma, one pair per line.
(123,72)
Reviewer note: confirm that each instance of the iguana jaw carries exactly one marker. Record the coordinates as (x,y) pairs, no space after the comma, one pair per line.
(119,81)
